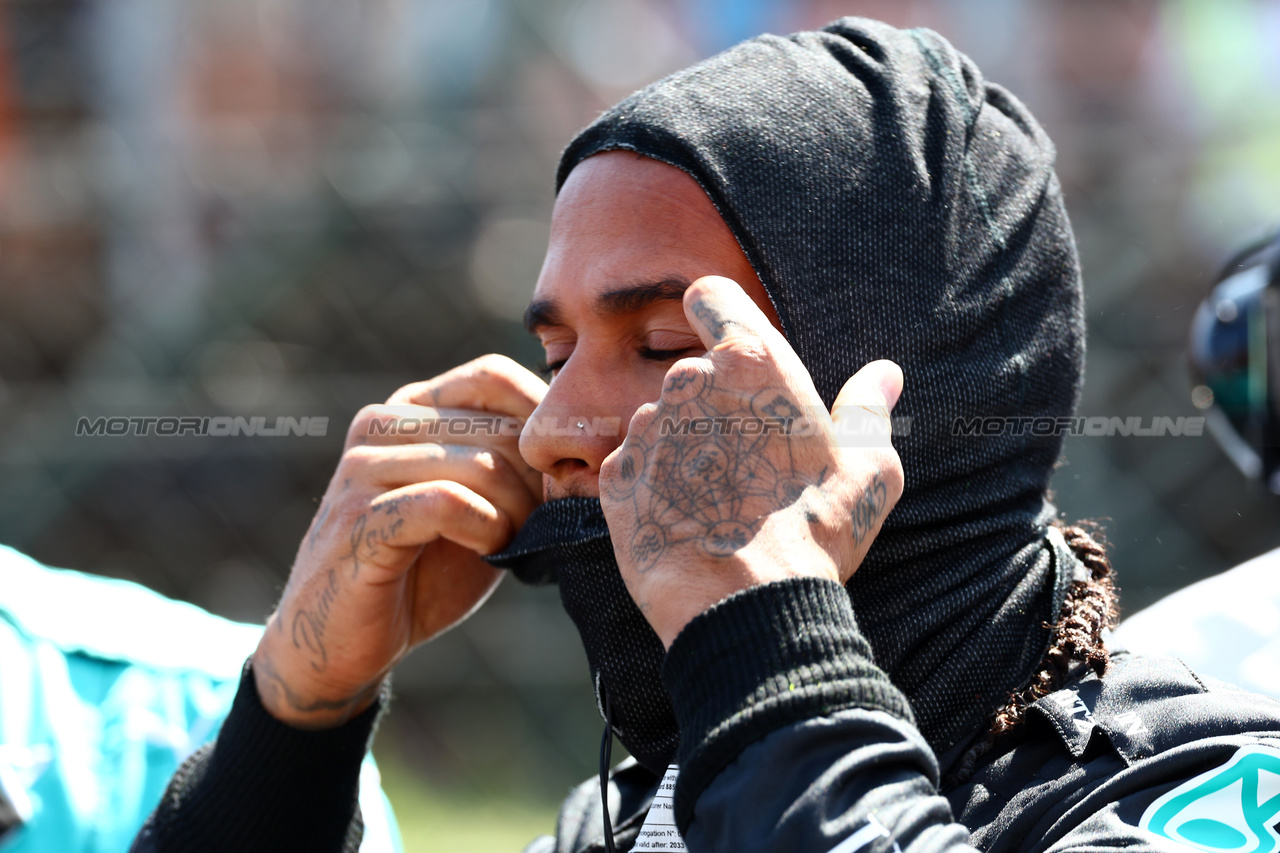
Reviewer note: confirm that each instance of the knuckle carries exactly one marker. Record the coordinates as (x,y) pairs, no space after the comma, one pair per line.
(643,417)
(412,391)
(486,461)
(892,472)
(750,352)
(441,498)
(360,424)
(357,460)
(689,364)
(433,451)
(494,363)
(685,380)
(495,370)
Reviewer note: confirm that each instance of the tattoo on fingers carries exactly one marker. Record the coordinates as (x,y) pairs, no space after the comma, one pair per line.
(684,386)
(869,509)
(715,322)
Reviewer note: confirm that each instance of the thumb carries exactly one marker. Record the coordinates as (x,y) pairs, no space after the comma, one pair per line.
(861,410)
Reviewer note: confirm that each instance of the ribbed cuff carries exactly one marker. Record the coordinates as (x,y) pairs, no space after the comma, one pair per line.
(269,786)
(758,661)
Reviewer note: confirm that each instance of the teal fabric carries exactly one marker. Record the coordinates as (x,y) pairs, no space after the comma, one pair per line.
(105,688)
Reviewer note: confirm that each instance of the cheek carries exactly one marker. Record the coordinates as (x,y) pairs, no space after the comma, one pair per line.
(647,378)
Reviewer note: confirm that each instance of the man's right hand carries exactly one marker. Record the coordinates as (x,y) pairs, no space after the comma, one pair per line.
(392,557)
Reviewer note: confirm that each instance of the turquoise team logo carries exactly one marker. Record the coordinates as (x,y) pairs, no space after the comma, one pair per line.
(1232,808)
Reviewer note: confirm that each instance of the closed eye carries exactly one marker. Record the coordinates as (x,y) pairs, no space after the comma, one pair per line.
(549,369)
(667,354)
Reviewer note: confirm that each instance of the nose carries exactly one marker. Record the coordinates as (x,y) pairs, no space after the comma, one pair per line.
(576,426)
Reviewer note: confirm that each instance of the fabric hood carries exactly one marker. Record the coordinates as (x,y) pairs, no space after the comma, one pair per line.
(896,205)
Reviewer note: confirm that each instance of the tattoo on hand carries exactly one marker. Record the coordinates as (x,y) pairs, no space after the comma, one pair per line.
(357,534)
(392,507)
(709,491)
(318,523)
(869,509)
(310,625)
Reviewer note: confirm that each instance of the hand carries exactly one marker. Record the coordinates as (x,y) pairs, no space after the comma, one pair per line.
(738,476)
(392,557)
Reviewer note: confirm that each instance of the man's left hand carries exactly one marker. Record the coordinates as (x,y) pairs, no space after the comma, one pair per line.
(738,476)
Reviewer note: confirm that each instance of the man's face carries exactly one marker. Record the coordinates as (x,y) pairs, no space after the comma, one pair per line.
(628,235)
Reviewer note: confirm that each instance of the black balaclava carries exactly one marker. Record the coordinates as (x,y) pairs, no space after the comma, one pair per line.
(895,206)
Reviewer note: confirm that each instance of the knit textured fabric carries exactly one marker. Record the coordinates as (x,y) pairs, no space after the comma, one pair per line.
(261,781)
(895,205)
(567,541)
(760,660)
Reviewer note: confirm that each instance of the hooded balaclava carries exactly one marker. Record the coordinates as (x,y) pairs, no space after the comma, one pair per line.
(894,205)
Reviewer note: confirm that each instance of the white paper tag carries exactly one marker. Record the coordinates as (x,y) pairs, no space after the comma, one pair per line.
(659,832)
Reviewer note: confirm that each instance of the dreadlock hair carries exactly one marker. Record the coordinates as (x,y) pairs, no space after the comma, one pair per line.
(1089,607)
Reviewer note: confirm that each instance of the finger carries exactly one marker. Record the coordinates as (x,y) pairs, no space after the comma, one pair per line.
(408,424)
(878,493)
(860,414)
(449,587)
(719,310)
(423,512)
(878,385)
(482,470)
(385,425)
(491,383)
(641,419)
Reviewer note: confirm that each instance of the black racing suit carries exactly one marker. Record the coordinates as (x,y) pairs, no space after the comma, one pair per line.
(764,772)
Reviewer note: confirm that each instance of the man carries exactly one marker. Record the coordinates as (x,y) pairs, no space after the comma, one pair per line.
(735,251)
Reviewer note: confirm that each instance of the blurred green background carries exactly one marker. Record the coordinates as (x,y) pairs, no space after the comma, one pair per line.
(293,207)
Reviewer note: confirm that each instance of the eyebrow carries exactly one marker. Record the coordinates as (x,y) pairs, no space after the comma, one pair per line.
(542,313)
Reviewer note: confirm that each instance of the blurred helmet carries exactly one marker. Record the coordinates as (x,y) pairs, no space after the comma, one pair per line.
(1235,360)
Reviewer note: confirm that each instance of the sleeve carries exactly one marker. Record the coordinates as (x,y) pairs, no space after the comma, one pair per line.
(792,739)
(264,786)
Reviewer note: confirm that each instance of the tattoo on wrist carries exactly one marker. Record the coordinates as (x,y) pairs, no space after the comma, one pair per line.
(283,693)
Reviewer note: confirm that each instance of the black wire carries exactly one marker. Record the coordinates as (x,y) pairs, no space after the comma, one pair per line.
(606,751)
